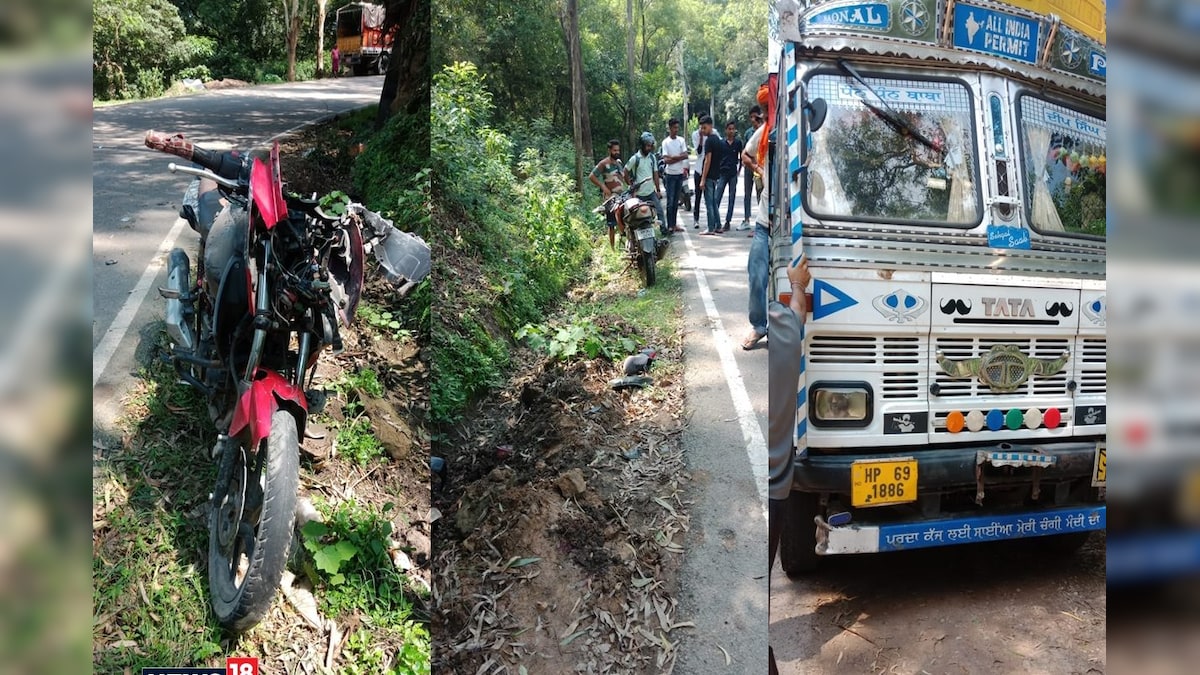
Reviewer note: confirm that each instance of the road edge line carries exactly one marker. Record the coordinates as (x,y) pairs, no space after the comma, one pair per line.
(121,323)
(756,444)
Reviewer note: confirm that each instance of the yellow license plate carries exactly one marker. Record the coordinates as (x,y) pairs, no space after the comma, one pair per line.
(879,482)
(1100,469)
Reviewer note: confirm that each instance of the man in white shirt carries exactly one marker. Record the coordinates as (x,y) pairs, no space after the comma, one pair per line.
(675,155)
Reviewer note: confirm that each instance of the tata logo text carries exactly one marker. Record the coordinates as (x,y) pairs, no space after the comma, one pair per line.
(1011,307)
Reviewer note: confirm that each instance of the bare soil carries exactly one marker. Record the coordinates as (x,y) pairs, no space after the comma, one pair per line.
(560,521)
(1006,607)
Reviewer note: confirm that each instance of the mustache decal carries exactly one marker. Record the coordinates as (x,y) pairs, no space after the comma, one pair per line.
(1060,308)
(951,306)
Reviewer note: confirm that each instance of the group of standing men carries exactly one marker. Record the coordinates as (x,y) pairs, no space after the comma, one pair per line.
(718,162)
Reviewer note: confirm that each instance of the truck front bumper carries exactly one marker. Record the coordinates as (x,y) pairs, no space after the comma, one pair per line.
(952,531)
(946,469)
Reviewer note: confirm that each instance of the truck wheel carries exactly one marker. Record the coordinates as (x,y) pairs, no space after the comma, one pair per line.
(798,538)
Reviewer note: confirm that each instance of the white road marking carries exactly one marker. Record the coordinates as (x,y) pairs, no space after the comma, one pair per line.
(124,319)
(756,445)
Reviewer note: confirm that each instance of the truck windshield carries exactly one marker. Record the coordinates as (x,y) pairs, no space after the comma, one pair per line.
(861,167)
(1065,167)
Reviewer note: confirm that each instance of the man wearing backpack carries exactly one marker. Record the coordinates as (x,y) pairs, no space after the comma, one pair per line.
(641,166)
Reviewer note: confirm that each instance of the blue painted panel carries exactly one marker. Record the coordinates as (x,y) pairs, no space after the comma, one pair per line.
(991,528)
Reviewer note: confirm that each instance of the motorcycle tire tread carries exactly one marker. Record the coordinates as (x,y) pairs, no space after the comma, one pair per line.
(274,538)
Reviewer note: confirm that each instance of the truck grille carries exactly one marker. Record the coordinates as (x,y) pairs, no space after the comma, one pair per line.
(901,359)
(968,348)
(1091,363)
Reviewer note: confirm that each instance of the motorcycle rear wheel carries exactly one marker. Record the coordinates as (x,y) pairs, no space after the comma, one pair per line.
(250,524)
(650,264)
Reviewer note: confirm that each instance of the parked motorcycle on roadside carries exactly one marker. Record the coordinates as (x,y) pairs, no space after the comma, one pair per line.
(638,224)
(275,277)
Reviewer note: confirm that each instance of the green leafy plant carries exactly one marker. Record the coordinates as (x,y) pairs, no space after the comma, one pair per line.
(356,441)
(384,321)
(581,336)
(335,203)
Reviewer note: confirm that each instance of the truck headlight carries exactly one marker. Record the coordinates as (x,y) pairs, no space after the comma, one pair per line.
(840,404)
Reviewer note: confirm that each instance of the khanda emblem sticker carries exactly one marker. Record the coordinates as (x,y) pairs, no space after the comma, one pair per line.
(1003,368)
(1097,310)
(899,306)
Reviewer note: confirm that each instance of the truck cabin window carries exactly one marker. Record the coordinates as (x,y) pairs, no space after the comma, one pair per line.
(893,150)
(1065,168)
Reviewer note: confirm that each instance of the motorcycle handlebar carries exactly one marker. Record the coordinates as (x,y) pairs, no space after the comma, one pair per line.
(225,164)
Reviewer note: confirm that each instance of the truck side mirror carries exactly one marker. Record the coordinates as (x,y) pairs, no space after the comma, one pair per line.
(816,110)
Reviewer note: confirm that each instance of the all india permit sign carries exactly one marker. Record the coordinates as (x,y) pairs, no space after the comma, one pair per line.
(997,33)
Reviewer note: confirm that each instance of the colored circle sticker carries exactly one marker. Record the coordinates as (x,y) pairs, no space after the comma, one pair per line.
(1052,418)
(1033,418)
(954,422)
(1013,419)
(995,419)
(975,420)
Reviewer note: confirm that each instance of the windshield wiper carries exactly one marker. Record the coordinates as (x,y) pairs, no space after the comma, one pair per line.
(887,113)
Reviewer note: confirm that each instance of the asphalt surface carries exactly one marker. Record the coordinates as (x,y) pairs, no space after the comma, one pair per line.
(723,580)
(136,201)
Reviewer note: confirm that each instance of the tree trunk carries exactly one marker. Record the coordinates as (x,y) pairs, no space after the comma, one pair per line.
(321,38)
(406,83)
(291,19)
(581,123)
(630,117)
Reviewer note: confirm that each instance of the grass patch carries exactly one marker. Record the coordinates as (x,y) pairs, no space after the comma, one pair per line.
(149,557)
(353,568)
(356,441)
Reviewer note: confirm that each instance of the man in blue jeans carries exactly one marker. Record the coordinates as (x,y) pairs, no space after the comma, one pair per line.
(674,155)
(714,152)
(758,266)
(729,172)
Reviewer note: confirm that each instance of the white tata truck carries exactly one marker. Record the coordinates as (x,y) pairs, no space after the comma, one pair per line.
(942,166)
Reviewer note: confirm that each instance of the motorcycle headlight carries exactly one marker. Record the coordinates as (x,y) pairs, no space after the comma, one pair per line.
(840,404)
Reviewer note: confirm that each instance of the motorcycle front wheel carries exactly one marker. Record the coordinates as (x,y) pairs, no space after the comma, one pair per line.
(250,525)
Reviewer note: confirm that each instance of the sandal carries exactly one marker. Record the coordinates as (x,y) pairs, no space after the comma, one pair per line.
(752,340)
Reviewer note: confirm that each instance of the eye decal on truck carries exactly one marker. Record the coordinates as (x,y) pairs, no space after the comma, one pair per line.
(899,306)
(1097,311)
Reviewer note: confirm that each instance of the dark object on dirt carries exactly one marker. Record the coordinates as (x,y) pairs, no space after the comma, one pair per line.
(640,362)
(503,451)
(316,399)
(798,543)
(531,394)
(633,382)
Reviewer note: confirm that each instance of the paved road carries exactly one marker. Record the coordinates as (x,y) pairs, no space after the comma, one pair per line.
(136,201)
(724,585)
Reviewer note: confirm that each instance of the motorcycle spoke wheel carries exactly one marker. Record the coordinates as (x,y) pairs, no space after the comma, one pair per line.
(251,523)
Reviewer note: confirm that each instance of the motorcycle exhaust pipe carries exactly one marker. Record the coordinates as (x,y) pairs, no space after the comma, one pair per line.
(178,285)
